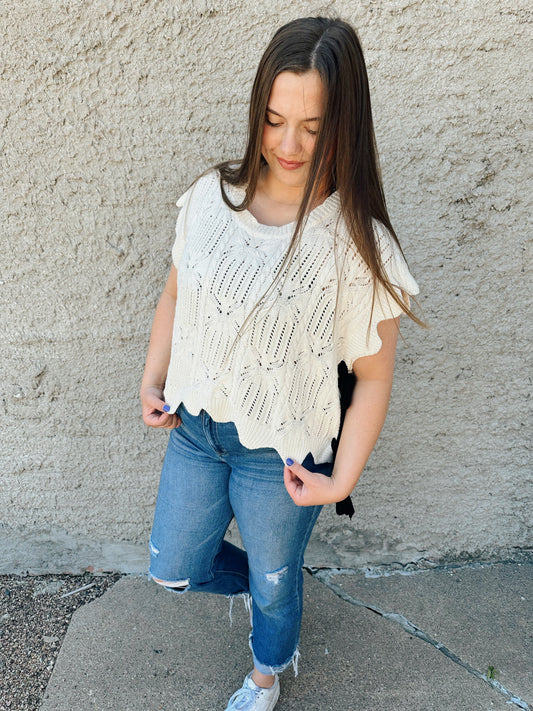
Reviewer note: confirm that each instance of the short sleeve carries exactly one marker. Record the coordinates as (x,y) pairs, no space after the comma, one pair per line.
(361,310)
(181,226)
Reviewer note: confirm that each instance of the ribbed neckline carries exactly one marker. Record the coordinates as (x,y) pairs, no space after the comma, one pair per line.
(327,209)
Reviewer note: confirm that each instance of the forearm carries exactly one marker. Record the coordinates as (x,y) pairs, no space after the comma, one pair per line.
(158,357)
(363,423)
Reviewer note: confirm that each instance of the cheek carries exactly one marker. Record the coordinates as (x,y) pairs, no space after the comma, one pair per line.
(309,144)
(267,141)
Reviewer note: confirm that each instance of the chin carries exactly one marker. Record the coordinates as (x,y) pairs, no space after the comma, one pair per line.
(293,179)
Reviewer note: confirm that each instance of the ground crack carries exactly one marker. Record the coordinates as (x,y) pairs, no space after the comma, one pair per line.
(325,576)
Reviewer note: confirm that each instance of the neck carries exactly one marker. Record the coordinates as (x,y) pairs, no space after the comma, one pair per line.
(286,195)
(277,192)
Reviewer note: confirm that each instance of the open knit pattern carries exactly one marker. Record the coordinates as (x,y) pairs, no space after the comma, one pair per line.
(278,380)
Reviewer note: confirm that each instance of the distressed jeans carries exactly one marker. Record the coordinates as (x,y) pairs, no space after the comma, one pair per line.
(208,477)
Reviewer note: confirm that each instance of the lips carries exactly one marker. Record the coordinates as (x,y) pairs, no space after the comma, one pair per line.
(289,164)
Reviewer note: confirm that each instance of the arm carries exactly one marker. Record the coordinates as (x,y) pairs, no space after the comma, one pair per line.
(362,425)
(158,358)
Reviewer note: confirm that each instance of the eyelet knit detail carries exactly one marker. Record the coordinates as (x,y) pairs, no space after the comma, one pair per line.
(278,380)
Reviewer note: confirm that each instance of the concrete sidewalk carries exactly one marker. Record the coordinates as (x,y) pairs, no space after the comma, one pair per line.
(448,639)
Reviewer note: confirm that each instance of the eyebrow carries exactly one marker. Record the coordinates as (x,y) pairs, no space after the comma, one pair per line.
(271,111)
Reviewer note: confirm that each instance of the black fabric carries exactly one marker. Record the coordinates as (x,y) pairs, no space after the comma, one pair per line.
(345,507)
(347,380)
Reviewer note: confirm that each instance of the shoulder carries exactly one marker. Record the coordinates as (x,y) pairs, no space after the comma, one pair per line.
(391,253)
(205,187)
(393,260)
(384,241)
(354,270)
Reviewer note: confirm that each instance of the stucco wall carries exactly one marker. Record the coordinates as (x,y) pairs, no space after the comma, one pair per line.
(107,111)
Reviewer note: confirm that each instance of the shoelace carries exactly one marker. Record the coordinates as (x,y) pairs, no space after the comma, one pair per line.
(242,699)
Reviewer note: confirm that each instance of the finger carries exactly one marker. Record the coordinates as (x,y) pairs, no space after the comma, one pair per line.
(150,399)
(298,471)
(156,418)
(295,487)
(153,420)
(168,422)
(152,403)
(291,482)
(173,422)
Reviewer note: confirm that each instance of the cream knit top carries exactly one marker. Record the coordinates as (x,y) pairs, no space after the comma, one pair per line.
(278,380)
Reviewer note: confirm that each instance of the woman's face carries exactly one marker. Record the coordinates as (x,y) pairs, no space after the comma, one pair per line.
(291,124)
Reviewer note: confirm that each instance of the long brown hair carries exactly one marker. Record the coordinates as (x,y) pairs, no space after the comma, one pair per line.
(345,156)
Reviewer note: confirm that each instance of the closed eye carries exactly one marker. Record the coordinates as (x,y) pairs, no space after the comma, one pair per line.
(275,125)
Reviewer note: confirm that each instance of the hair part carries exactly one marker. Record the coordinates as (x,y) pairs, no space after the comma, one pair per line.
(345,157)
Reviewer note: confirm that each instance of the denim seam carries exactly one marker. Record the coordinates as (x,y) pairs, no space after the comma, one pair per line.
(219,449)
(211,433)
(204,428)
(308,532)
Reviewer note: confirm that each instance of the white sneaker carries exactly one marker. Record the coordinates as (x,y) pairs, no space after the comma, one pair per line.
(251,697)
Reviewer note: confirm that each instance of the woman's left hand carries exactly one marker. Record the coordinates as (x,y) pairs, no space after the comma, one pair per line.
(310,488)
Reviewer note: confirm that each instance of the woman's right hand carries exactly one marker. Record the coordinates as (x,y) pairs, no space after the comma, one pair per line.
(154,415)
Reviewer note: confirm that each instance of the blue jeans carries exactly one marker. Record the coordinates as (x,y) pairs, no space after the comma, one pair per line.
(208,477)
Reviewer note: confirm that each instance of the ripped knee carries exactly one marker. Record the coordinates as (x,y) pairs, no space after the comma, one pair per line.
(173,585)
(277,576)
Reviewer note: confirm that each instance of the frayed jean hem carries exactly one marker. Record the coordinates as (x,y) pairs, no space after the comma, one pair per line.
(278,668)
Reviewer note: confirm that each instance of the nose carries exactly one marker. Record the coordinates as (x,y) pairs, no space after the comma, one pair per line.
(290,144)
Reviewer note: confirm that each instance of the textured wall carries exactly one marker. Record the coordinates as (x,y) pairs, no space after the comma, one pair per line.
(107,111)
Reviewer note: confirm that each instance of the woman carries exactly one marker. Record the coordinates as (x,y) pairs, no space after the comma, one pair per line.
(285,268)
